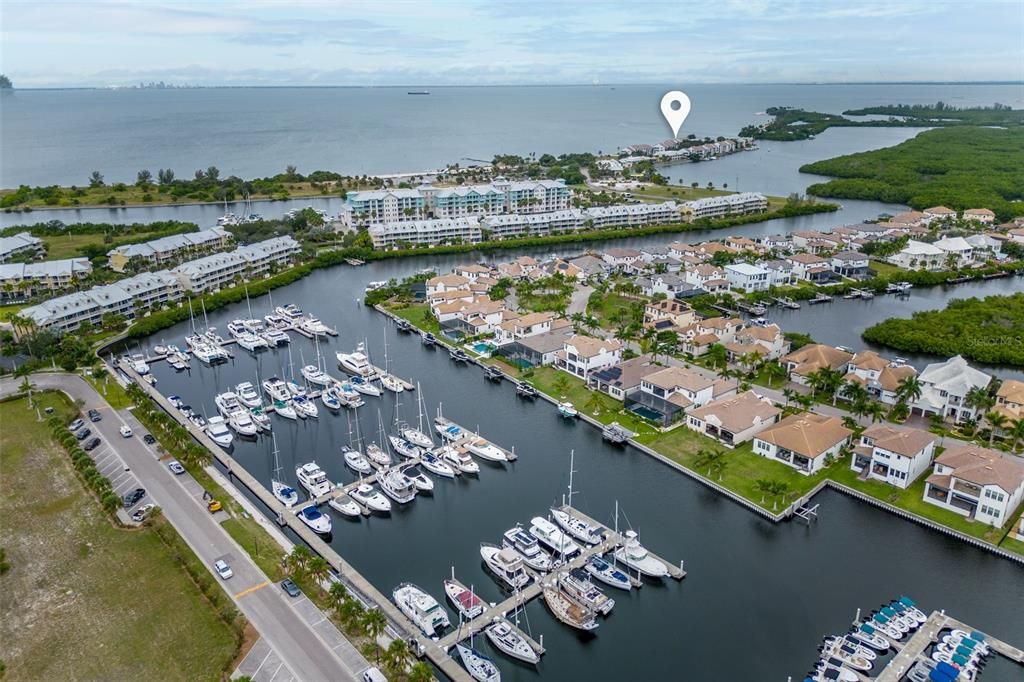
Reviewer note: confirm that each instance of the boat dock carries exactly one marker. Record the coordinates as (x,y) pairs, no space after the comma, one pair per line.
(517,601)
(820,298)
(927,635)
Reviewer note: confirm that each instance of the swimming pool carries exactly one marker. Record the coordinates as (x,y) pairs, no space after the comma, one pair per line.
(483,347)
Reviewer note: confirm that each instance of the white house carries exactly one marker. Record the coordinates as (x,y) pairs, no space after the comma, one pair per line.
(711,278)
(892,454)
(735,419)
(957,250)
(944,389)
(919,256)
(977,483)
(803,441)
(581,355)
(746,277)
(522,327)
(985,246)
(880,376)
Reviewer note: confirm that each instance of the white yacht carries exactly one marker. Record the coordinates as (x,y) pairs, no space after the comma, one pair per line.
(276,390)
(217,430)
(291,313)
(568,610)
(260,418)
(311,516)
(404,447)
(550,536)
(397,486)
(285,409)
(247,394)
(316,376)
(464,600)
(366,495)
(417,437)
(275,321)
(377,456)
(139,364)
(355,461)
(577,527)
(226,402)
(347,395)
(504,637)
(576,583)
(524,543)
(418,478)
(391,382)
(435,466)
(314,326)
(485,449)
(448,430)
(356,362)
(458,459)
(304,406)
(241,423)
(506,564)
(286,494)
(275,337)
(251,342)
(422,609)
(330,399)
(344,506)
(365,386)
(635,556)
(313,479)
(480,667)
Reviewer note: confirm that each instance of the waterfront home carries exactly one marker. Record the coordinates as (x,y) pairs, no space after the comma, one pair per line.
(437,298)
(581,355)
(985,246)
(725,328)
(880,376)
(735,419)
(730,204)
(472,272)
(710,278)
(909,219)
(667,284)
(22,244)
(803,441)
(563,268)
(976,482)
(980,215)
(623,379)
(631,215)
(743,244)
(919,256)
(665,395)
(850,264)
(538,350)
(651,254)
(22,280)
(621,260)
(158,252)
(518,268)
(1010,399)
(957,250)
(893,454)
(478,316)
(591,267)
(1018,529)
(519,327)
(939,213)
(425,232)
(803,362)
(766,342)
(679,250)
(1016,235)
(807,266)
(780,272)
(747,277)
(776,242)
(679,313)
(449,282)
(944,389)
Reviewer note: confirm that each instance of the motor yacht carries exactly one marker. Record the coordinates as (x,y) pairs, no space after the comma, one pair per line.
(404,447)
(848,655)
(311,516)
(524,543)
(485,449)
(226,403)
(251,342)
(371,498)
(365,386)
(356,362)
(577,527)
(435,466)
(241,423)
(448,430)
(576,583)
(464,600)
(607,573)
(355,461)
(418,478)
(217,430)
(561,545)
(505,638)
(276,389)
(290,313)
(313,479)
(569,611)
(316,376)
(635,556)
(480,667)
(260,418)
(459,459)
(397,486)
(347,395)
(275,337)
(314,326)
(304,406)
(568,410)
(422,609)
(344,506)
(285,409)
(138,364)
(506,565)
(247,394)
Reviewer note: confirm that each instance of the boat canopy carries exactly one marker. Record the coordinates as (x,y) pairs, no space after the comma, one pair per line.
(977,636)
(948,669)
(969,643)
(907,601)
(889,611)
(964,651)
(880,618)
(937,676)
(959,660)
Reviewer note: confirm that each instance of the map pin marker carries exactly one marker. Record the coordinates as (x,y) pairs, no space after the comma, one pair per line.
(675,107)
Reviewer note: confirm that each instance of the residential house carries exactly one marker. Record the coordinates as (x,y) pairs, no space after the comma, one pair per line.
(807,266)
(664,395)
(538,350)
(513,328)
(919,256)
(478,316)
(667,284)
(804,362)
(909,219)
(581,355)
(622,260)
(623,379)
(735,419)
(803,441)
(957,251)
(679,313)
(985,246)
(21,244)
(449,282)
(939,213)
(880,376)
(1010,399)
(746,277)
(980,215)
(711,278)
(944,389)
(767,342)
(893,454)
(976,482)
(159,252)
(780,272)
(591,267)
(850,264)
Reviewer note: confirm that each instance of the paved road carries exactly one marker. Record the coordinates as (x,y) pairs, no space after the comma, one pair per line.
(301,646)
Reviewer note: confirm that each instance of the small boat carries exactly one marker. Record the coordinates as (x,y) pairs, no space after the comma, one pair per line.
(890,630)
(550,536)
(832,670)
(576,583)
(160,350)
(428,339)
(459,459)
(315,327)
(175,401)
(313,479)
(316,376)
(304,406)
(377,456)
(404,447)
(504,637)
(364,386)
(422,609)
(355,461)
(577,527)
(458,355)
(356,362)
(435,466)
(344,506)
(464,600)
(217,430)
(241,423)
(614,433)
(391,382)
(285,409)
(525,390)
(366,495)
(397,486)
(601,570)
(524,543)
(260,418)
(568,611)
(635,556)
(247,394)
(448,430)
(312,517)
(286,494)
(275,337)
(418,478)
(852,646)
(494,373)
(848,655)
(330,400)
(568,410)
(506,564)
(867,635)
(139,364)
(907,604)
(417,437)
(480,668)
(404,326)
(485,449)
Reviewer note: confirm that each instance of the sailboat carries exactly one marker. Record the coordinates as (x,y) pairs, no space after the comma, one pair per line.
(315,374)
(354,459)
(387,380)
(417,436)
(282,491)
(378,454)
(574,526)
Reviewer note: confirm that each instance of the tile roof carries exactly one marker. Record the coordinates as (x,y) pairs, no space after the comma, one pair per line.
(806,433)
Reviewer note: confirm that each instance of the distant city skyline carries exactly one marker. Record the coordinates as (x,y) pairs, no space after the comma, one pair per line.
(314,43)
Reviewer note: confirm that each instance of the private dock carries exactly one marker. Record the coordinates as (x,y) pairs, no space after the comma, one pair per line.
(820,298)
(787,303)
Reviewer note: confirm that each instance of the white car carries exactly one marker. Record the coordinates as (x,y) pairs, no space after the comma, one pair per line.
(374,675)
(222,568)
(126,431)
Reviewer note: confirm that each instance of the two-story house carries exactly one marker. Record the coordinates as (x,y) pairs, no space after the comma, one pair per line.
(852,264)
(976,482)
(734,419)
(944,389)
(747,277)
(804,362)
(893,454)
(672,390)
(581,355)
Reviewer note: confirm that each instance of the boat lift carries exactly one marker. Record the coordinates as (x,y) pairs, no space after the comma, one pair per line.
(806,513)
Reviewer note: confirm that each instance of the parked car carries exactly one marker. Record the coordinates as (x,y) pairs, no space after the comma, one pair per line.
(290,588)
(126,431)
(148,439)
(131,499)
(142,512)
(222,568)
(175,467)
(92,445)
(94,416)
(75,425)
(374,675)
(83,433)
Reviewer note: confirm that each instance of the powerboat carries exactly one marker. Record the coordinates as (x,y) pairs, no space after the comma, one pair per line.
(260,418)
(344,506)
(276,389)
(905,609)
(217,430)
(311,516)
(525,390)
(635,556)
(226,403)
(346,395)
(366,495)
(365,386)
(251,342)
(404,447)
(494,373)
(883,625)
(275,321)
(576,583)
(316,376)
(313,479)
(330,400)
(448,430)
(391,382)
(506,564)
(577,527)
(480,667)
(356,362)
(428,339)
(355,461)
(377,456)
(568,610)
(198,420)
(832,670)
(848,655)
(285,494)
(418,478)
(304,406)
(464,600)
(435,466)
(553,538)
(457,354)
(161,350)
(247,394)
(422,609)
(291,313)
(138,363)
(852,646)
(459,459)
(607,573)
(397,486)
(567,410)
(504,637)
(868,636)
(485,449)
(314,326)
(524,543)
(275,337)
(242,424)
(285,409)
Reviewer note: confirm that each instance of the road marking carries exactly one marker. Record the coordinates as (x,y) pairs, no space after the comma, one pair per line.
(252,589)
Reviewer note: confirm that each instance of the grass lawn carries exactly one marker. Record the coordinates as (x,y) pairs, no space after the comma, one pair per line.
(1011,545)
(885,269)
(111,392)
(71,245)
(6,311)
(614,306)
(257,543)
(83,599)
(419,315)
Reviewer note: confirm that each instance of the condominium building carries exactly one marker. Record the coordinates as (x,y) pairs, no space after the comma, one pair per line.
(533,224)
(21,280)
(729,204)
(213,272)
(427,231)
(628,215)
(174,247)
(20,244)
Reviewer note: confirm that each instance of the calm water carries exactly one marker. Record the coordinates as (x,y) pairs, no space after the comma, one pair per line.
(62,136)
(758,597)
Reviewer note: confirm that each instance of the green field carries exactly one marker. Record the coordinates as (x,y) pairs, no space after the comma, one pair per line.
(84,599)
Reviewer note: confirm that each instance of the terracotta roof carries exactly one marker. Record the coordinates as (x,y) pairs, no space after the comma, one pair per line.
(588,346)
(807,433)
(815,356)
(720,322)
(450,280)
(1012,391)
(738,413)
(869,359)
(980,211)
(982,466)
(704,339)
(890,378)
(671,378)
(902,441)
(806,258)
(939,210)
(769,333)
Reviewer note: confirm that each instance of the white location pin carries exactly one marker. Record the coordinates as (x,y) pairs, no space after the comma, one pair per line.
(675,107)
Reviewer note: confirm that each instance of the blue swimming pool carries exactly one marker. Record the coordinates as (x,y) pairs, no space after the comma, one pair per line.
(483,348)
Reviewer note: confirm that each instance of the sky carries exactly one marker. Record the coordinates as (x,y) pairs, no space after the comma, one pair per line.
(469,42)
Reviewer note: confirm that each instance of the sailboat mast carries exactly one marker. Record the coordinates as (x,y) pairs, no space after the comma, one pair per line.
(572,456)
(277,463)
(247,303)
(206,322)
(191,315)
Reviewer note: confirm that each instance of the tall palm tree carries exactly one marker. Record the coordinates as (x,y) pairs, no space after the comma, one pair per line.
(875,410)
(420,672)
(374,621)
(299,558)
(1017,432)
(351,613)
(790,394)
(336,596)
(997,422)
(318,569)
(978,399)
(909,390)
(396,654)
(773,370)
(718,354)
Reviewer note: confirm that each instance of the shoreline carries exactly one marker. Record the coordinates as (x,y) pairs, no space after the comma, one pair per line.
(114,207)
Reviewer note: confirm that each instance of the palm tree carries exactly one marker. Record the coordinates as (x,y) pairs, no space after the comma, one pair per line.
(763,486)
(318,569)
(978,399)
(396,654)
(717,353)
(826,380)
(299,559)
(773,370)
(789,394)
(909,390)
(875,410)
(374,622)
(854,391)
(420,672)
(997,422)
(336,596)
(1016,432)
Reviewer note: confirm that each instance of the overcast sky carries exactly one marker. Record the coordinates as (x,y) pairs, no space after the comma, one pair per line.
(306,42)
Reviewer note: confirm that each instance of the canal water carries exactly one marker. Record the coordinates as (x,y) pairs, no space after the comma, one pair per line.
(758,597)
